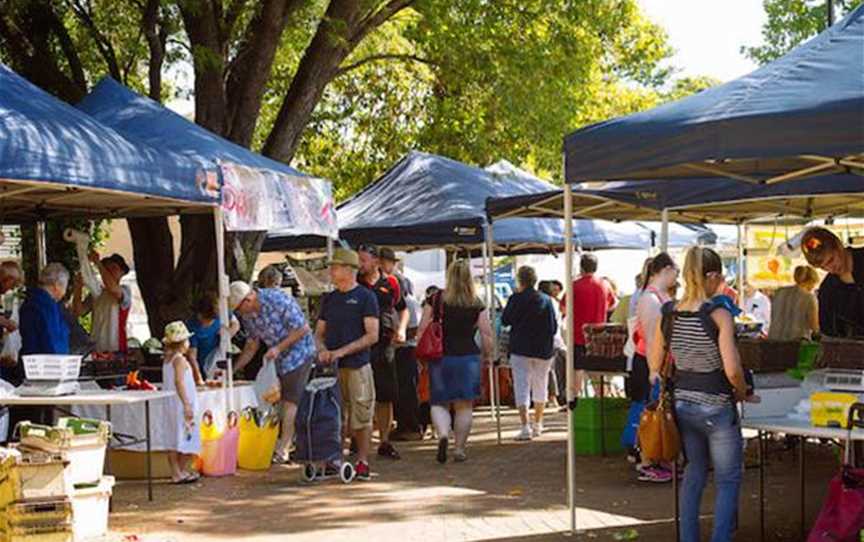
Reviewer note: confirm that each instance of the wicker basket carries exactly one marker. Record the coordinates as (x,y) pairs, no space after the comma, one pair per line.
(764,356)
(605,340)
(837,353)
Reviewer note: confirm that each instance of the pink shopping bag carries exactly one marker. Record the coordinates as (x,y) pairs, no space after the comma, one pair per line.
(842,516)
(219,453)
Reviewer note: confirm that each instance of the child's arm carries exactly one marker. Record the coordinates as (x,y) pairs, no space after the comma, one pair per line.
(180,365)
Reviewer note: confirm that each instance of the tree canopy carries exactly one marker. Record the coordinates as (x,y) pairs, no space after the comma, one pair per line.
(791,22)
(342,88)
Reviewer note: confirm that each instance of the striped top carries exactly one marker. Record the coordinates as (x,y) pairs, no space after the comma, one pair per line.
(693,349)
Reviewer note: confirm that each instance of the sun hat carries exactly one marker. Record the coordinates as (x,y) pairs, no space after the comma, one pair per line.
(176,332)
(344,256)
(237,292)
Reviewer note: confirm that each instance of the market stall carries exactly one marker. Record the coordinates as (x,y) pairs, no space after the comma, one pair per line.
(793,119)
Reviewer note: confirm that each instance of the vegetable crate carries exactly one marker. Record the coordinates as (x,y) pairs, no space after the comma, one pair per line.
(81,441)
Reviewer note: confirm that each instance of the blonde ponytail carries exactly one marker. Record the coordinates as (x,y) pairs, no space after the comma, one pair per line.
(694,278)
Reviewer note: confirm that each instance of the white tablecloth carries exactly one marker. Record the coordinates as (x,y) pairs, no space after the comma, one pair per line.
(792,426)
(129,419)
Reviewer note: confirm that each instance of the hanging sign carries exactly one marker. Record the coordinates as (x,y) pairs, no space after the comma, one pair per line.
(264,200)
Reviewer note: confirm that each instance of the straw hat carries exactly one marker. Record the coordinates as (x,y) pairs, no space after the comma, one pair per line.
(176,332)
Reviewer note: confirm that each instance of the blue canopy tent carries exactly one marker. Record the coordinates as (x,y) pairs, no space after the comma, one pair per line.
(56,161)
(137,116)
(795,118)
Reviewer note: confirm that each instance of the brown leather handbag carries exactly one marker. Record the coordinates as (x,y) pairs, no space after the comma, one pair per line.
(659,439)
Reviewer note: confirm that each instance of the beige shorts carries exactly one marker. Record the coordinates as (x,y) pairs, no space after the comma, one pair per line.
(358,396)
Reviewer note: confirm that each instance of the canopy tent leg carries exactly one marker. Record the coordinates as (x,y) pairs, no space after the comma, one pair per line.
(488,267)
(329,248)
(224,316)
(740,281)
(41,246)
(664,230)
(571,395)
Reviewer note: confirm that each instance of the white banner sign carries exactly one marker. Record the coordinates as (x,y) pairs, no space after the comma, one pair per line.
(264,200)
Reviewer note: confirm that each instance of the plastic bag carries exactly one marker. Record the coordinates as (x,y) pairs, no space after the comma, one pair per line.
(11,342)
(219,445)
(267,387)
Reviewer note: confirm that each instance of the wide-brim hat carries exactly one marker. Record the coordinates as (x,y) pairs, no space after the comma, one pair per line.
(176,332)
(344,256)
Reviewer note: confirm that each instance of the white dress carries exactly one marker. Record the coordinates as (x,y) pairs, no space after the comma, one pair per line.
(184,438)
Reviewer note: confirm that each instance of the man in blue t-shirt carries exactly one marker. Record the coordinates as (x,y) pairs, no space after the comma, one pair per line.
(347,328)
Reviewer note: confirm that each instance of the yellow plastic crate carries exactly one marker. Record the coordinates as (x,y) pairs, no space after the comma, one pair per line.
(56,514)
(37,534)
(831,409)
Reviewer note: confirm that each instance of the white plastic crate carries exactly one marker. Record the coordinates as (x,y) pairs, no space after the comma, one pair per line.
(85,451)
(90,509)
(52,367)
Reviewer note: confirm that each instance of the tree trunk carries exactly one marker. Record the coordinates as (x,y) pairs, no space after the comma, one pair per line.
(250,69)
(154,267)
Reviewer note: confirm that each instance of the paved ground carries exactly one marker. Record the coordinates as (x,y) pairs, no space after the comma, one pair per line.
(513,492)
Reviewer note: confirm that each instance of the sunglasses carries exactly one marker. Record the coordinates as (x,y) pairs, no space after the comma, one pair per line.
(368,249)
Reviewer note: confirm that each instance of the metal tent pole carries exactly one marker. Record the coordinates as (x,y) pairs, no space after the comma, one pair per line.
(329,248)
(224,316)
(42,247)
(740,280)
(489,263)
(571,395)
(664,231)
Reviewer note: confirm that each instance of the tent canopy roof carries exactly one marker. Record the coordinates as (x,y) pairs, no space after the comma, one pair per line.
(58,161)
(145,120)
(703,200)
(801,113)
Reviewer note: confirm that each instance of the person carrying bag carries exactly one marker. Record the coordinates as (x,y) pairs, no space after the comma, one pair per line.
(431,344)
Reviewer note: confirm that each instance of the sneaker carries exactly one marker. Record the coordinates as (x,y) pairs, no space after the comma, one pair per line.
(459,456)
(524,434)
(331,470)
(537,430)
(387,450)
(633,456)
(441,457)
(654,474)
(362,472)
(282,458)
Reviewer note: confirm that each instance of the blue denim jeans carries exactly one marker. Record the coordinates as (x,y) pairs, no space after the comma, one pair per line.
(711,436)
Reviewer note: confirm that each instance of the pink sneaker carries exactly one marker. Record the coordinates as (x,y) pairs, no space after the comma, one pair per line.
(654,474)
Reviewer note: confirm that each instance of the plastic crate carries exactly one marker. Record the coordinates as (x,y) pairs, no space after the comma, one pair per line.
(90,509)
(36,534)
(55,514)
(52,367)
(587,413)
(40,475)
(82,441)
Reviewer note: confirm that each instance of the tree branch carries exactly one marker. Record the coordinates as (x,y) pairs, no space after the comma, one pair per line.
(384,56)
(106,49)
(377,18)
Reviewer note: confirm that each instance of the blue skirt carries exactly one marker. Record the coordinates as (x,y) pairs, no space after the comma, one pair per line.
(454,378)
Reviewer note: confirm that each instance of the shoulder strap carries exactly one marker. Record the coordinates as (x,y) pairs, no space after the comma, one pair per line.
(705,312)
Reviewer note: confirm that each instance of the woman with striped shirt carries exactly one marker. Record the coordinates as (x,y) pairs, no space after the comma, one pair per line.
(709,380)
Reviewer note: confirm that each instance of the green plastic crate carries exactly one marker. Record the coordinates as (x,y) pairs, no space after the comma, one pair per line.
(587,413)
(586,425)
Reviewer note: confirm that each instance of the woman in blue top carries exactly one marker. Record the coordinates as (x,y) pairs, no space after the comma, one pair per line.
(204,343)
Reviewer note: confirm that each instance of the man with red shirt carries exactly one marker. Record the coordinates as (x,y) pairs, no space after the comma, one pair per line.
(392,329)
(593,299)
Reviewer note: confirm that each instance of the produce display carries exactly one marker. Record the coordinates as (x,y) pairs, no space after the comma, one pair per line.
(134,382)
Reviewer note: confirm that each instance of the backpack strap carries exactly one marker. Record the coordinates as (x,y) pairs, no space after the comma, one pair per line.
(708,323)
(667,322)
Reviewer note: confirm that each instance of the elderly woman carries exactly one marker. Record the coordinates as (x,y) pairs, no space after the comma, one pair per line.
(270,277)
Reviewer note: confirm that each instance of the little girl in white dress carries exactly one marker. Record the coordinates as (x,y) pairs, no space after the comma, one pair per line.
(177,376)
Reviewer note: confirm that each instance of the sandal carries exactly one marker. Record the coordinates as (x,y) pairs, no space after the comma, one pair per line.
(186,479)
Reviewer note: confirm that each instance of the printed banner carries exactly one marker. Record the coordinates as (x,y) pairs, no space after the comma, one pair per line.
(264,200)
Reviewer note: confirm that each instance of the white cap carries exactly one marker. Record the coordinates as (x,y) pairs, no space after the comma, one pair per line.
(237,292)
